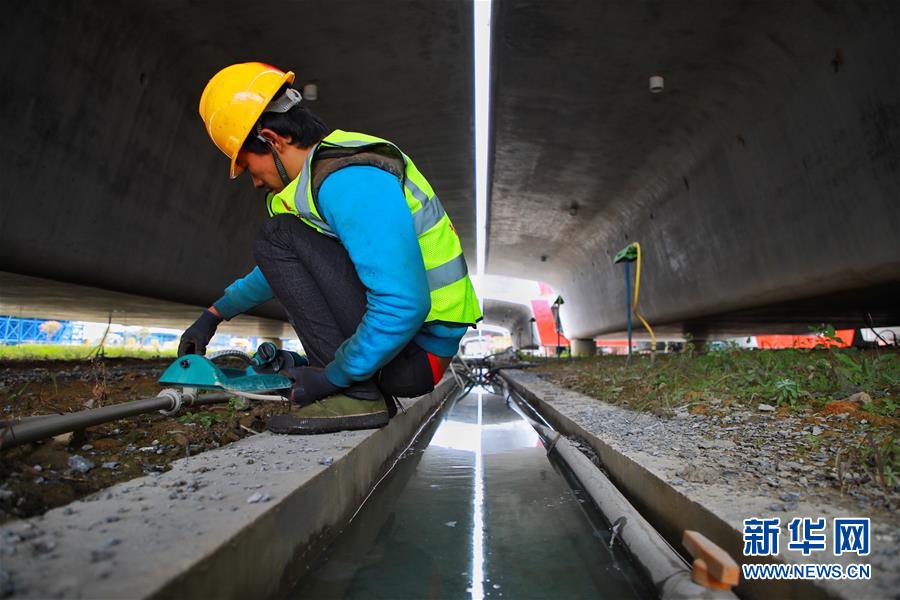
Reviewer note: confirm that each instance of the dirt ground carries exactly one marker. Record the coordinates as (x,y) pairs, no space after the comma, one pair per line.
(39,476)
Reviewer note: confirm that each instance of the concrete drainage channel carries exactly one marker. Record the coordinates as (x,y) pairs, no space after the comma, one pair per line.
(670,511)
(261,518)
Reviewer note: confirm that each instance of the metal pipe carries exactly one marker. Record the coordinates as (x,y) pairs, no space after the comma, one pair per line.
(628,306)
(32,430)
(666,569)
(669,573)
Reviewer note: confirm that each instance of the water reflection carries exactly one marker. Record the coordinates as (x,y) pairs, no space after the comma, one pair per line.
(475,510)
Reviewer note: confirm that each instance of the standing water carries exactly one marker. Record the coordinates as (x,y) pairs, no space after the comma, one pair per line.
(475,510)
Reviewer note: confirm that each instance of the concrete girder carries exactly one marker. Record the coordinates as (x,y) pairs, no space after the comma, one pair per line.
(511,316)
(764,177)
(762,182)
(109,178)
(22,296)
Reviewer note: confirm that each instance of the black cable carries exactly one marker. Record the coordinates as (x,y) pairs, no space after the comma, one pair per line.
(871,323)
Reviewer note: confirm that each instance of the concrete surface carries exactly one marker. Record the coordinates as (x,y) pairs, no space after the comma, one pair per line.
(584,347)
(23,296)
(635,451)
(762,181)
(512,316)
(238,522)
(110,180)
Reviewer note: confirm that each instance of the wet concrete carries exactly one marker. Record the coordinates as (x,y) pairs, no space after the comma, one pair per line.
(475,509)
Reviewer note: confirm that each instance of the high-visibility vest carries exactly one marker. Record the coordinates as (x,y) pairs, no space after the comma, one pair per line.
(453,300)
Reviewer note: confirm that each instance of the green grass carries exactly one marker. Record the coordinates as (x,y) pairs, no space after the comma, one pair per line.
(61,352)
(794,378)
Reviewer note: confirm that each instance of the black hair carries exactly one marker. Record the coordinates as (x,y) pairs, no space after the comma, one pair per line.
(302,125)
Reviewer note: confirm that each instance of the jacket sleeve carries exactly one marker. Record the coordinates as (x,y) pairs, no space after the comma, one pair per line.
(366,208)
(242,295)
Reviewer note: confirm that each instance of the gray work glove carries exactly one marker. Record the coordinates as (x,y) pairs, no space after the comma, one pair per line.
(310,384)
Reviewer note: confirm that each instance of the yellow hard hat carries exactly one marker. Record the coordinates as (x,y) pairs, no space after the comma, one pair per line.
(234,99)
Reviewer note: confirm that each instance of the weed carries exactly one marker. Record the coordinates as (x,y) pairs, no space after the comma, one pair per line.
(813,441)
(99,373)
(827,332)
(236,404)
(205,418)
(15,395)
(787,391)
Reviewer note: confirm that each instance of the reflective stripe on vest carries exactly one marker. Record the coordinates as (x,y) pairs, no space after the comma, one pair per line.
(447,273)
(452,295)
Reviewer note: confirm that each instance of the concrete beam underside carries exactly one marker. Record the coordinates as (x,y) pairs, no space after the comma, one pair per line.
(22,296)
(766,174)
(110,179)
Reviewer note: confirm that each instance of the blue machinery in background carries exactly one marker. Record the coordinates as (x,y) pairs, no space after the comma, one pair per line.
(18,330)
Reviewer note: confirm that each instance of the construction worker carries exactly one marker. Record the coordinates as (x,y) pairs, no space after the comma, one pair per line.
(358,250)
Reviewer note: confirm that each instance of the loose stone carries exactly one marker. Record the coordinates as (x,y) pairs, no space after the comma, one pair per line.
(80,464)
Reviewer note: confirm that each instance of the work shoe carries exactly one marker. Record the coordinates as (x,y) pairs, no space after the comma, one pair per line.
(334,413)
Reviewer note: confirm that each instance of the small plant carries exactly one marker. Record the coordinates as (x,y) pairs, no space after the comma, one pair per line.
(15,395)
(99,374)
(205,418)
(828,333)
(236,404)
(813,441)
(787,391)
(891,478)
(689,345)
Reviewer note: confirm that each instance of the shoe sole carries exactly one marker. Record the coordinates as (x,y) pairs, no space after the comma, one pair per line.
(291,425)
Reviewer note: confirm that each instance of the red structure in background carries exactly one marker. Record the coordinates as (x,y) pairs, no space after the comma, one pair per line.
(546,327)
(543,317)
(771,342)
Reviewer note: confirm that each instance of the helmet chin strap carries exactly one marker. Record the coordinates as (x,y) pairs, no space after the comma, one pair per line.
(279,166)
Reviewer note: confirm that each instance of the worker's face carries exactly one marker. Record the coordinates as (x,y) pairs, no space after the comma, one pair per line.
(261,169)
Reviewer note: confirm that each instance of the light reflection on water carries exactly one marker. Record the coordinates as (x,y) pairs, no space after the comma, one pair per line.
(476,511)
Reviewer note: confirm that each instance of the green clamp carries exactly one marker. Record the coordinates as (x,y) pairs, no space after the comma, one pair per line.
(627,254)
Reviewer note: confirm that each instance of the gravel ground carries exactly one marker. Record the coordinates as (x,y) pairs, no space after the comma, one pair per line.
(837,450)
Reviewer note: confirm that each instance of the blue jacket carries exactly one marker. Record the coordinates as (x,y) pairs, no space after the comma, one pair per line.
(366,209)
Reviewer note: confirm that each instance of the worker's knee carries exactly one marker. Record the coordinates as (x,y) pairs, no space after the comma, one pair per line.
(275,233)
(408,375)
(277,229)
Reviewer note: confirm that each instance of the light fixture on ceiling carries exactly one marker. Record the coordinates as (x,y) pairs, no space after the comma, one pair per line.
(482,35)
(310,91)
(656,84)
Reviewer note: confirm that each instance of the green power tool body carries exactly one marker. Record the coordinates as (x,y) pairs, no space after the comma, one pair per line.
(260,375)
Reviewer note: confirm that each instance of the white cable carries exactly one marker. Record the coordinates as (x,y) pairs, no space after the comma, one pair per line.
(263,397)
(456,376)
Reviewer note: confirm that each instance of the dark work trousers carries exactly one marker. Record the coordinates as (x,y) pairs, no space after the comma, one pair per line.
(315,280)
